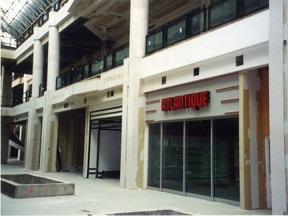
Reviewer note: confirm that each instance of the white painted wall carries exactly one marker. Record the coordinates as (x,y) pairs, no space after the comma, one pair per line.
(93,148)
(109,152)
(216,108)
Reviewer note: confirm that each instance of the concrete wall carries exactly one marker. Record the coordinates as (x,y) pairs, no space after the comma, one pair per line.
(249,32)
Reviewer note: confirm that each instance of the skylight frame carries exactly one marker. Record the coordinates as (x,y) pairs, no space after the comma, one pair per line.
(17,16)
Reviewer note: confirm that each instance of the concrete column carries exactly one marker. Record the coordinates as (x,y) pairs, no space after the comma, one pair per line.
(6,80)
(133,126)
(25,87)
(37,65)
(5,93)
(33,123)
(49,136)
(278,105)
(30,134)
(4,139)
(53,57)
(50,120)
(139,11)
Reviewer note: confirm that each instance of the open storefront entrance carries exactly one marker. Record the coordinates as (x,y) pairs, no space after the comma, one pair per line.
(104,148)
(70,149)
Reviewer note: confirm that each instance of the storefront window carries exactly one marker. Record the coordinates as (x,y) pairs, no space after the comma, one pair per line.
(226,162)
(222,12)
(176,32)
(198,169)
(202,138)
(173,156)
(154,155)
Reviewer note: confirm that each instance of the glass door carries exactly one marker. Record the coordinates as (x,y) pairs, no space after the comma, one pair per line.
(198,168)
(172,168)
(226,159)
(154,178)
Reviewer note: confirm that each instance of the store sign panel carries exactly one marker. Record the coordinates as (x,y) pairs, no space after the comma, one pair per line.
(194,101)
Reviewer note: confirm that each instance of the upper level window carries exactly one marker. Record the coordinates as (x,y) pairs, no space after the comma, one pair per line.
(197,22)
(77,74)
(252,5)
(222,11)
(154,42)
(176,32)
(97,66)
(86,68)
(120,55)
(109,61)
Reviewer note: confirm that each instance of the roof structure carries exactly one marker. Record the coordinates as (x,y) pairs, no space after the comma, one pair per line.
(18,15)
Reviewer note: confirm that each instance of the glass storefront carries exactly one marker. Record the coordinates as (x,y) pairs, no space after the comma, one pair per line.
(198,157)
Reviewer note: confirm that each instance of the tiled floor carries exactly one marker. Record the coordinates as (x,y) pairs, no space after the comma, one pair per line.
(104,196)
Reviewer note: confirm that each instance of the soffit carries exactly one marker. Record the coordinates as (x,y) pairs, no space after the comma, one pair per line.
(109,19)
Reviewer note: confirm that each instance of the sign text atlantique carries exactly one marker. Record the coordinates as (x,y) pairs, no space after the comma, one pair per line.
(194,100)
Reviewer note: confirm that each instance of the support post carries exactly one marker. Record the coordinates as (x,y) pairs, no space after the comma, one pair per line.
(133,126)
(278,104)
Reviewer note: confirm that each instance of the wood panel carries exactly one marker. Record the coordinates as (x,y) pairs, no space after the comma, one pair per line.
(262,132)
(51,146)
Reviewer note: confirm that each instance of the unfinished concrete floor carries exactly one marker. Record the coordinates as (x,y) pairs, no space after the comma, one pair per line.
(104,196)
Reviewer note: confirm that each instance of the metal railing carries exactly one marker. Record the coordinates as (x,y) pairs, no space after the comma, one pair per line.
(93,67)
(6,101)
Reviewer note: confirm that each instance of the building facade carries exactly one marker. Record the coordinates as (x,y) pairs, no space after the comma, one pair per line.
(186,97)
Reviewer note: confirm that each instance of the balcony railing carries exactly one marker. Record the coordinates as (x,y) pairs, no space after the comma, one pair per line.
(6,101)
(218,13)
(13,101)
(93,67)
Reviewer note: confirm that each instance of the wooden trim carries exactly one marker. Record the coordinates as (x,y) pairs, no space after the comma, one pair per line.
(232,100)
(232,113)
(229,88)
(153,101)
(151,111)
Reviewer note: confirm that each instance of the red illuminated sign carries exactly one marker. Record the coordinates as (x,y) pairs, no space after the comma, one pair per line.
(194,100)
